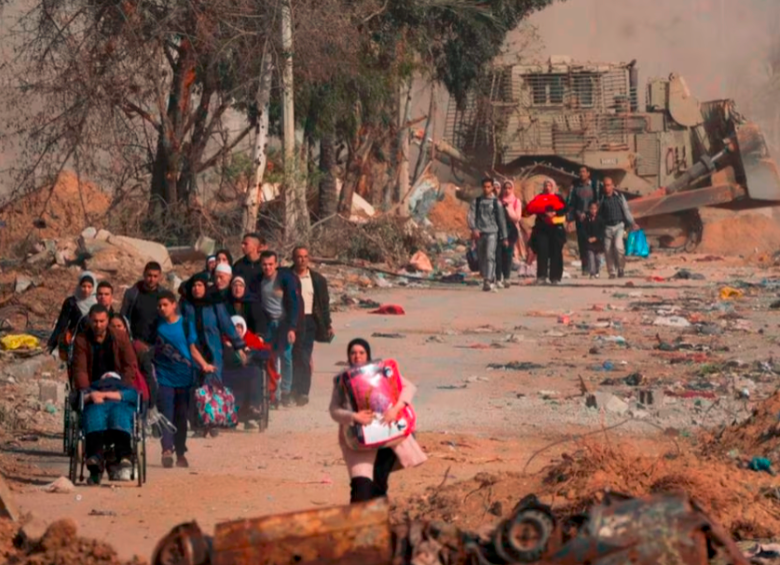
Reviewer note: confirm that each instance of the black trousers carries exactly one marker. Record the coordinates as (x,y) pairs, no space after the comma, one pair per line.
(504,255)
(96,442)
(549,255)
(363,489)
(302,353)
(582,245)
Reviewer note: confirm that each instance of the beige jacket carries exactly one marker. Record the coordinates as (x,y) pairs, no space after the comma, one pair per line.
(361,463)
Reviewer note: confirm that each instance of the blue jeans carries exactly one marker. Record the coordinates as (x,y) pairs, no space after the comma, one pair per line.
(283,350)
(174,404)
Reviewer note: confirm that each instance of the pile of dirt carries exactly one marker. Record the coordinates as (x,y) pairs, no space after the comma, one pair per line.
(449,215)
(735,498)
(740,234)
(52,212)
(758,436)
(60,545)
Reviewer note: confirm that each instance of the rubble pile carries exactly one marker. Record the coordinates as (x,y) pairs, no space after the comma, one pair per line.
(59,545)
(758,435)
(740,500)
(52,212)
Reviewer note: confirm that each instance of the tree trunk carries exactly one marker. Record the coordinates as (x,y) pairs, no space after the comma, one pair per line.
(295,205)
(422,158)
(263,100)
(328,195)
(405,110)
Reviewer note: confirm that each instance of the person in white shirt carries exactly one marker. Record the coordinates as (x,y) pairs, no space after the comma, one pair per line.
(316,326)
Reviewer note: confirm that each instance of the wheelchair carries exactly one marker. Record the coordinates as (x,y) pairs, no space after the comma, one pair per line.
(75,440)
(242,384)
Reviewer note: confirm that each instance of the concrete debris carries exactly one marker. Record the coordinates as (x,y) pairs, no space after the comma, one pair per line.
(421,262)
(21,284)
(607,402)
(89,233)
(52,392)
(150,250)
(60,486)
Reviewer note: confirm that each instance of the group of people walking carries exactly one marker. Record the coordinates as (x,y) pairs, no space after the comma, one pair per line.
(164,346)
(598,212)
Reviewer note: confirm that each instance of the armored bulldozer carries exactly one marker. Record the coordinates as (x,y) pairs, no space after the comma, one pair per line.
(670,159)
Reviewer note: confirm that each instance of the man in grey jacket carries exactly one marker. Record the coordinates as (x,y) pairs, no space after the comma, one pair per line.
(487,222)
(613,208)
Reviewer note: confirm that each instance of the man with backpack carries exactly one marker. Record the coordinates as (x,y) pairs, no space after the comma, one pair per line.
(613,209)
(487,222)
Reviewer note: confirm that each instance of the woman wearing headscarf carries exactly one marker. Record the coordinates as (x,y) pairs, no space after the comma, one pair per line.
(505,254)
(369,470)
(74,310)
(224,257)
(549,232)
(242,302)
(211,321)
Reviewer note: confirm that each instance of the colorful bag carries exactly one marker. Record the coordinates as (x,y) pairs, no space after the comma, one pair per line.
(216,405)
(376,386)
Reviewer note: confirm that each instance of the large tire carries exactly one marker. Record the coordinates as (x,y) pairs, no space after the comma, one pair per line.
(512,539)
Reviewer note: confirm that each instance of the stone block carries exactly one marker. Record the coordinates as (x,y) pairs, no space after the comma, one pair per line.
(52,392)
(89,233)
(148,250)
(8,508)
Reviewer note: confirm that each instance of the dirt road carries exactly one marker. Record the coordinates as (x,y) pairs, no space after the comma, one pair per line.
(470,419)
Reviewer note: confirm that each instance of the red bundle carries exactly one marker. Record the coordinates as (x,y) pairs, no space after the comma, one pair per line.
(542,202)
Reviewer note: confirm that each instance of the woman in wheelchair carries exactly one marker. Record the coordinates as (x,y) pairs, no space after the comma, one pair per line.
(109,407)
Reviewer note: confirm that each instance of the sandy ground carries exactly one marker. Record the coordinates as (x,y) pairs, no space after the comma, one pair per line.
(494,423)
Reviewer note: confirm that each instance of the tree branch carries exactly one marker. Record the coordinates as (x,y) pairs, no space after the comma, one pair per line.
(226,149)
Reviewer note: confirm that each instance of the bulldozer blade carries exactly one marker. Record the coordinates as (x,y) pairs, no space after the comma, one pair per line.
(687,200)
(761,171)
(358,534)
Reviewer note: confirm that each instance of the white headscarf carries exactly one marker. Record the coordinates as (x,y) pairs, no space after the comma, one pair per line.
(239,322)
(554,185)
(86,302)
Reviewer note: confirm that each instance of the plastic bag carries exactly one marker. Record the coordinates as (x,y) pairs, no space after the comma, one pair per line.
(637,245)
(472,259)
(19,341)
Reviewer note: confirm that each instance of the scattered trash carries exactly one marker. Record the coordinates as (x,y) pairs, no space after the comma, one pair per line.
(389,310)
(729,293)
(454,278)
(671,322)
(14,342)
(515,366)
(686,275)
(452,387)
(565,320)
(388,335)
(60,486)
(761,464)
(606,401)
(94,512)
(421,262)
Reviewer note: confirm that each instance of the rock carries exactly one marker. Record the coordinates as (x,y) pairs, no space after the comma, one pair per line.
(59,535)
(92,246)
(103,235)
(148,250)
(174,282)
(365,282)
(60,486)
(607,402)
(29,368)
(8,508)
(205,245)
(51,392)
(21,284)
(42,258)
(441,237)
(421,262)
(60,258)
(89,233)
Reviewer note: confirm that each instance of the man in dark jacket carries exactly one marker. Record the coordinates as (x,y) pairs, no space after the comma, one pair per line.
(317,325)
(583,192)
(278,291)
(100,350)
(139,305)
(248,267)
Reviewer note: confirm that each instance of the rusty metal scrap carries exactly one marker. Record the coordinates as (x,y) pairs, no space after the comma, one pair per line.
(665,529)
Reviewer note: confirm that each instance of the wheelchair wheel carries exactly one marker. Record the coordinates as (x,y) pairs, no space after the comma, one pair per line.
(76,451)
(143,450)
(66,428)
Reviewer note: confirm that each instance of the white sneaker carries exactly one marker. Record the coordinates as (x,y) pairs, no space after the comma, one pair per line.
(499,284)
(124,474)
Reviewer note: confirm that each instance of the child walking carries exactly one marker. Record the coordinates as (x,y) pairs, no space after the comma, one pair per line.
(594,229)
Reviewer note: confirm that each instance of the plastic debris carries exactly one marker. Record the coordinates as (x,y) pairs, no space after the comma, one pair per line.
(730,293)
(19,341)
(671,322)
(389,310)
